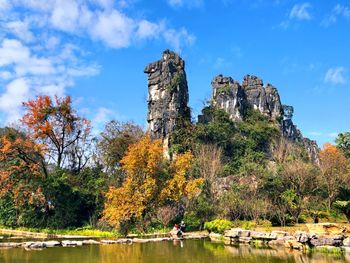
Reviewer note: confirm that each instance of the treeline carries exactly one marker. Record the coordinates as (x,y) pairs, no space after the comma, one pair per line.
(55,174)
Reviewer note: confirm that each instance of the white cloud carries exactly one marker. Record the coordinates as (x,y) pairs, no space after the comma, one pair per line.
(12,51)
(179,38)
(20,30)
(65,15)
(103,115)
(187,3)
(148,29)
(335,76)
(337,12)
(300,12)
(342,10)
(16,92)
(51,90)
(5,75)
(222,63)
(43,44)
(88,71)
(114,28)
(105,3)
(4,5)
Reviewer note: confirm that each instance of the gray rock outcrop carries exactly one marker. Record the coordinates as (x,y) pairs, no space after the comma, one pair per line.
(265,99)
(236,99)
(167,97)
(229,95)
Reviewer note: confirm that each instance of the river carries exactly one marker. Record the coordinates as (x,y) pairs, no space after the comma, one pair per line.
(187,251)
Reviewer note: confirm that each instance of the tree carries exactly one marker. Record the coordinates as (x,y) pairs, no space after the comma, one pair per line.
(344,207)
(113,144)
(165,214)
(300,178)
(55,124)
(334,171)
(21,170)
(149,183)
(343,143)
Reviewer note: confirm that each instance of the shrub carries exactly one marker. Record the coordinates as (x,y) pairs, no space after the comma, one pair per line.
(218,225)
(192,221)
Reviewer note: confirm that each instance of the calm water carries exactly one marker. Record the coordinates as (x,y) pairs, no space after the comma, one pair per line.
(169,252)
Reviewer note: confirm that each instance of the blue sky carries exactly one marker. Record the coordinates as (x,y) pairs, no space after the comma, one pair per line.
(96,50)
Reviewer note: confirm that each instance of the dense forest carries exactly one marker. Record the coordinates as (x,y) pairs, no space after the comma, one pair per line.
(56,174)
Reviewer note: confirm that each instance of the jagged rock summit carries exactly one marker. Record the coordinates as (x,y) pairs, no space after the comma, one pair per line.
(167,96)
(168,101)
(236,98)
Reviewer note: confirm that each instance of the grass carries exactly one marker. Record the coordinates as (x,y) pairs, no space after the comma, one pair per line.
(87,231)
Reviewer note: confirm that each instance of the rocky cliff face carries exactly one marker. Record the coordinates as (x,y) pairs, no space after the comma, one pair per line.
(229,95)
(167,96)
(168,99)
(236,99)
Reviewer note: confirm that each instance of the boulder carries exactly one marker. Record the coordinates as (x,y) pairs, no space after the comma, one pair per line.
(301,237)
(265,236)
(140,240)
(280,241)
(244,239)
(91,242)
(71,243)
(326,228)
(36,245)
(293,244)
(109,242)
(280,234)
(327,240)
(346,242)
(124,241)
(237,232)
(215,237)
(10,244)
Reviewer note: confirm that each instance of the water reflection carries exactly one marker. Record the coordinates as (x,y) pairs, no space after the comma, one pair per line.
(169,252)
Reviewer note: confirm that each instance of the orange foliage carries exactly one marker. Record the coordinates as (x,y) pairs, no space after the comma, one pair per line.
(20,163)
(55,124)
(334,171)
(147,186)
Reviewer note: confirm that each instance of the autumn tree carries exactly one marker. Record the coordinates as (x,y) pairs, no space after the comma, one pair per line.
(343,143)
(113,144)
(55,124)
(334,171)
(149,183)
(300,179)
(21,169)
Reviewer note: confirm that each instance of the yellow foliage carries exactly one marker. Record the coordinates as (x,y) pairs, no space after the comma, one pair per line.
(146,186)
(180,185)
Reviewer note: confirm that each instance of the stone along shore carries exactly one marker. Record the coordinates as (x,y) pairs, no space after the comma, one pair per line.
(77,243)
(325,237)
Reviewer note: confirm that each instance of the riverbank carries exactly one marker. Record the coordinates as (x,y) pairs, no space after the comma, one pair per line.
(76,243)
(325,237)
(49,233)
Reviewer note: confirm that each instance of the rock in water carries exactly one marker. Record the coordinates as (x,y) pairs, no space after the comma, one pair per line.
(167,97)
